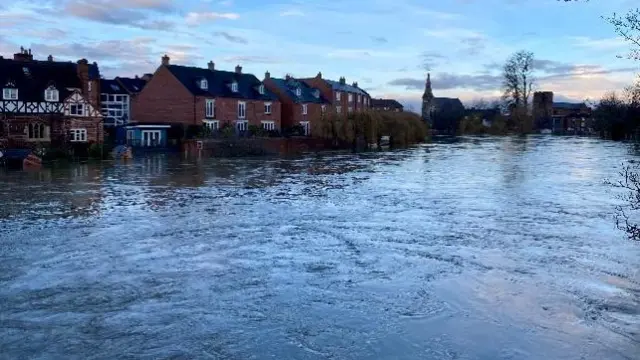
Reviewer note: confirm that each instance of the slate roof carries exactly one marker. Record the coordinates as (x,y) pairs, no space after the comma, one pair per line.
(111,87)
(337,86)
(568,106)
(448,103)
(306,92)
(132,85)
(33,77)
(219,83)
(386,103)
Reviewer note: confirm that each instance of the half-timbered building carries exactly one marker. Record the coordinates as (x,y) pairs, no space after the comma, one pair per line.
(48,103)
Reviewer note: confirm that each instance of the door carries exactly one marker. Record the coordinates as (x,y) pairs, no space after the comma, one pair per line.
(151,138)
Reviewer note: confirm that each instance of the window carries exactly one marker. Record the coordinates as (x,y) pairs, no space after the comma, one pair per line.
(338,95)
(339,109)
(267,108)
(210,108)
(298,92)
(212,125)
(242,110)
(89,85)
(204,84)
(268,125)
(304,109)
(316,93)
(350,97)
(360,97)
(51,94)
(323,109)
(350,109)
(234,86)
(10,94)
(37,131)
(76,109)
(261,89)
(242,125)
(130,135)
(307,128)
(78,135)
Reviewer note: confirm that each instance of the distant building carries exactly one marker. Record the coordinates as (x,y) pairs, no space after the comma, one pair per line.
(115,99)
(543,109)
(386,105)
(571,117)
(301,104)
(442,114)
(345,98)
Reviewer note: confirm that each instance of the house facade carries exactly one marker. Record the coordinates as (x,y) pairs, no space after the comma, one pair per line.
(301,104)
(47,103)
(343,97)
(185,97)
(115,99)
(386,105)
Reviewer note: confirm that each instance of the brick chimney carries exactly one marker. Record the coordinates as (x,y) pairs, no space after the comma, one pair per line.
(319,76)
(287,77)
(50,58)
(238,69)
(165,60)
(267,75)
(211,65)
(23,55)
(343,81)
(90,87)
(355,84)
(147,77)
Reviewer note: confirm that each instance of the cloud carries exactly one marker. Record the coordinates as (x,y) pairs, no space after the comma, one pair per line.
(445,81)
(598,44)
(138,48)
(252,59)
(194,18)
(231,38)
(292,12)
(430,60)
(473,45)
(135,13)
(380,39)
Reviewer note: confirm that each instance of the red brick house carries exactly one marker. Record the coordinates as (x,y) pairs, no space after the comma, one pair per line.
(344,98)
(49,103)
(301,104)
(184,97)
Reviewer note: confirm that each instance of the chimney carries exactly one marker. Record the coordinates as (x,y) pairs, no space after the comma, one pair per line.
(343,81)
(83,70)
(165,60)
(267,75)
(137,77)
(238,69)
(287,77)
(147,77)
(319,76)
(50,58)
(23,55)
(211,65)
(355,84)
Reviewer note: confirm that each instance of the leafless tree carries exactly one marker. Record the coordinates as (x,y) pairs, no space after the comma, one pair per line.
(628,27)
(626,214)
(518,79)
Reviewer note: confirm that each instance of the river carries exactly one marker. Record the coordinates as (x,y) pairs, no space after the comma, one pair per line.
(474,248)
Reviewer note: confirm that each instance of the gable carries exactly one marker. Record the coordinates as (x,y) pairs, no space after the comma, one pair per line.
(77,99)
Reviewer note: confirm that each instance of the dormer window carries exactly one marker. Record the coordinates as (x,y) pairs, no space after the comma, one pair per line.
(10,94)
(234,86)
(316,93)
(298,92)
(261,89)
(204,84)
(51,94)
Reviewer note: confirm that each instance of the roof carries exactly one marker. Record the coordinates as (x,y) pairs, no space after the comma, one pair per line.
(219,83)
(289,86)
(31,78)
(569,106)
(442,102)
(132,85)
(111,87)
(337,86)
(386,103)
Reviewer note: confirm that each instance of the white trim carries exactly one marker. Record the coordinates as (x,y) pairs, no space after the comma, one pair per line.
(210,114)
(271,125)
(7,94)
(265,108)
(243,105)
(234,86)
(212,124)
(148,126)
(79,135)
(307,127)
(304,109)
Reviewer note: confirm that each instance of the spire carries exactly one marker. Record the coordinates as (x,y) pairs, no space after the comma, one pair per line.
(428,93)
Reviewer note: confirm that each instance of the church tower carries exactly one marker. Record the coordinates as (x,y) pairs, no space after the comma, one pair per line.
(427,101)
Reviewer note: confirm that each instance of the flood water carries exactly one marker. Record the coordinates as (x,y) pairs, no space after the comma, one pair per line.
(479,248)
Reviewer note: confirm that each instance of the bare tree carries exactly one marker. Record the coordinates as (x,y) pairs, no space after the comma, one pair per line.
(518,79)
(627,214)
(628,27)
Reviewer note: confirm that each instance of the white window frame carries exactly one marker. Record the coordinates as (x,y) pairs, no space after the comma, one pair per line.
(242,125)
(89,83)
(210,108)
(51,95)
(204,84)
(304,109)
(31,129)
(267,108)
(307,127)
(268,125)
(316,93)
(350,97)
(360,98)
(323,109)
(261,89)
(78,135)
(213,125)
(234,86)
(242,110)
(298,92)
(338,95)
(10,94)
(339,109)
(78,106)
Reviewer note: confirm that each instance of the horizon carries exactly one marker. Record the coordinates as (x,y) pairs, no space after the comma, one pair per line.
(388,51)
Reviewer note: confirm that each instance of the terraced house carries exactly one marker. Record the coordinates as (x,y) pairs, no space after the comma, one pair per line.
(344,98)
(49,102)
(301,104)
(184,97)
(115,98)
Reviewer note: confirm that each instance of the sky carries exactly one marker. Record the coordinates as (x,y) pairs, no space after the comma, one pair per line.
(387,46)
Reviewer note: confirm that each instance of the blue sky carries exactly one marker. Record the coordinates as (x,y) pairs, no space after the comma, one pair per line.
(385,45)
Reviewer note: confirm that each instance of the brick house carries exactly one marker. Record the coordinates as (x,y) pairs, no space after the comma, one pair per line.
(301,104)
(115,98)
(185,97)
(386,105)
(344,98)
(49,103)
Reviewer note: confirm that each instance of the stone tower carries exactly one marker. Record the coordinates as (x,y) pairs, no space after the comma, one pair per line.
(542,109)
(427,101)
